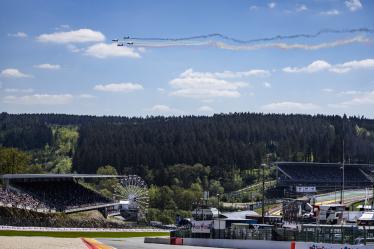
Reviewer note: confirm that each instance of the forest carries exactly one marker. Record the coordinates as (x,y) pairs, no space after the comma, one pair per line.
(179,156)
(239,140)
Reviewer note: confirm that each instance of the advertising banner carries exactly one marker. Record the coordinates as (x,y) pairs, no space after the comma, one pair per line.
(306,189)
(201,226)
(311,245)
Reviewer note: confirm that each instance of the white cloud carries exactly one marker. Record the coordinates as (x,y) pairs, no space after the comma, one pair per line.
(39,99)
(353,5)
(359,99)
(165,110)
(252,72)
(267,85)
(48,66)
(327,90)
(350,92)
(18,90)
(63,26)
(18,35)
(74,48)
(86,96)
(253,7)
(161,108)
(301,8)
(333,12)
(204,86)
(14,73)
(142,49)
(103,50)
(205,108)
(352,65)
(315,66)
(226,73)
(74,36)
(272,5)
(290,107)
(320,65)
(119,87)
(161,90)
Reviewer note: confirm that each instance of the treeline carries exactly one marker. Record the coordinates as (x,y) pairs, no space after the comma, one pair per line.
(224,141)
(24,132)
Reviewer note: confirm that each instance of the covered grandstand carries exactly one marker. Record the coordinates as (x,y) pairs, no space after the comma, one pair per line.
(53,192)
(306,177)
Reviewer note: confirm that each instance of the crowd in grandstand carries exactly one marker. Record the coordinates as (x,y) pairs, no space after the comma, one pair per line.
(20,200)
(63,195)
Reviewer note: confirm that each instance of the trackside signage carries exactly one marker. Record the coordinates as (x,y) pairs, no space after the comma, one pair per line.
(201,226)
(311,245)
(305,189)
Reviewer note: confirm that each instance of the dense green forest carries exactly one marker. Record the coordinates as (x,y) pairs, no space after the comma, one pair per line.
(239,140)
(179,157)
(228,145)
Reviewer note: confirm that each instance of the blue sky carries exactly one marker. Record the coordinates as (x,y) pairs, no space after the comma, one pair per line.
(57,56)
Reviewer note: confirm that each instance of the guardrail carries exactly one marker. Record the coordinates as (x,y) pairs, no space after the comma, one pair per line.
(73,229)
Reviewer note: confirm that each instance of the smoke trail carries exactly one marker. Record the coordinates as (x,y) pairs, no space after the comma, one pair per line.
(265,39)
(287,46)
(241,47)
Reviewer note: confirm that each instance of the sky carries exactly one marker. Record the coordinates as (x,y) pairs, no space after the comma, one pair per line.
(58,57)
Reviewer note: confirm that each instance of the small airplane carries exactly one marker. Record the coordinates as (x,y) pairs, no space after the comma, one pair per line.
(120,44)
(115,40)
(126,37)
(130,43)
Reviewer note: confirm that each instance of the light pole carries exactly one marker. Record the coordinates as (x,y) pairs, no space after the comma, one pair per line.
(372,198)
(219,220)
(263,194)
(343,164)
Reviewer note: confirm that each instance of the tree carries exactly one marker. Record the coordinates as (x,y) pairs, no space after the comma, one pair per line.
(13,161)
(106,170)
(215,188)
(108,186)
(35,169)
(63,165)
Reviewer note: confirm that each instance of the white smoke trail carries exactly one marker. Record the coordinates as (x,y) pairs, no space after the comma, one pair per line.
(236,47)
(263,39)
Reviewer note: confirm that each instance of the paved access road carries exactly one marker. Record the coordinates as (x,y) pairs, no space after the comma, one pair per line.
(138,243)
(350,196)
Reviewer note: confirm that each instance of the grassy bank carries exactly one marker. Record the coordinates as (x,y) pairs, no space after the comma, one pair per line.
(83,234)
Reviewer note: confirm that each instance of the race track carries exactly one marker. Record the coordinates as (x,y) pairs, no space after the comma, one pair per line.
(350,196)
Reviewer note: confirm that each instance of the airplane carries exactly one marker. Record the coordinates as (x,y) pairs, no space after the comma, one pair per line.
(126,37)
(115,40)
(130,43)
(120,44)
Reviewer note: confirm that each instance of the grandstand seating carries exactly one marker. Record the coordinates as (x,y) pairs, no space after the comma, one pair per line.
(322,174)
(20,200)
(62,195)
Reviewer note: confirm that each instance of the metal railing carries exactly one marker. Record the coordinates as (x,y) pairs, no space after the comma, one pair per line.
(318,234)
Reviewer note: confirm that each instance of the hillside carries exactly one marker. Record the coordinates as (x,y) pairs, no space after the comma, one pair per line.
(225,140)
(179,157)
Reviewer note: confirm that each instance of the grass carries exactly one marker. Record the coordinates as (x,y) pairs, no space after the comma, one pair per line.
(82,234)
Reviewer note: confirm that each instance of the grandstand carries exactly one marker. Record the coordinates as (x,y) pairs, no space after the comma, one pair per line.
(53,192)
(296,176)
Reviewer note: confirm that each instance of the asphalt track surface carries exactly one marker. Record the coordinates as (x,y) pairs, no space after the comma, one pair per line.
(350,196)
(138,243)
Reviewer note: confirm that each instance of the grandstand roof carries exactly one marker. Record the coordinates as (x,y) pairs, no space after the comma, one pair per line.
(325,164)
(55,176)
